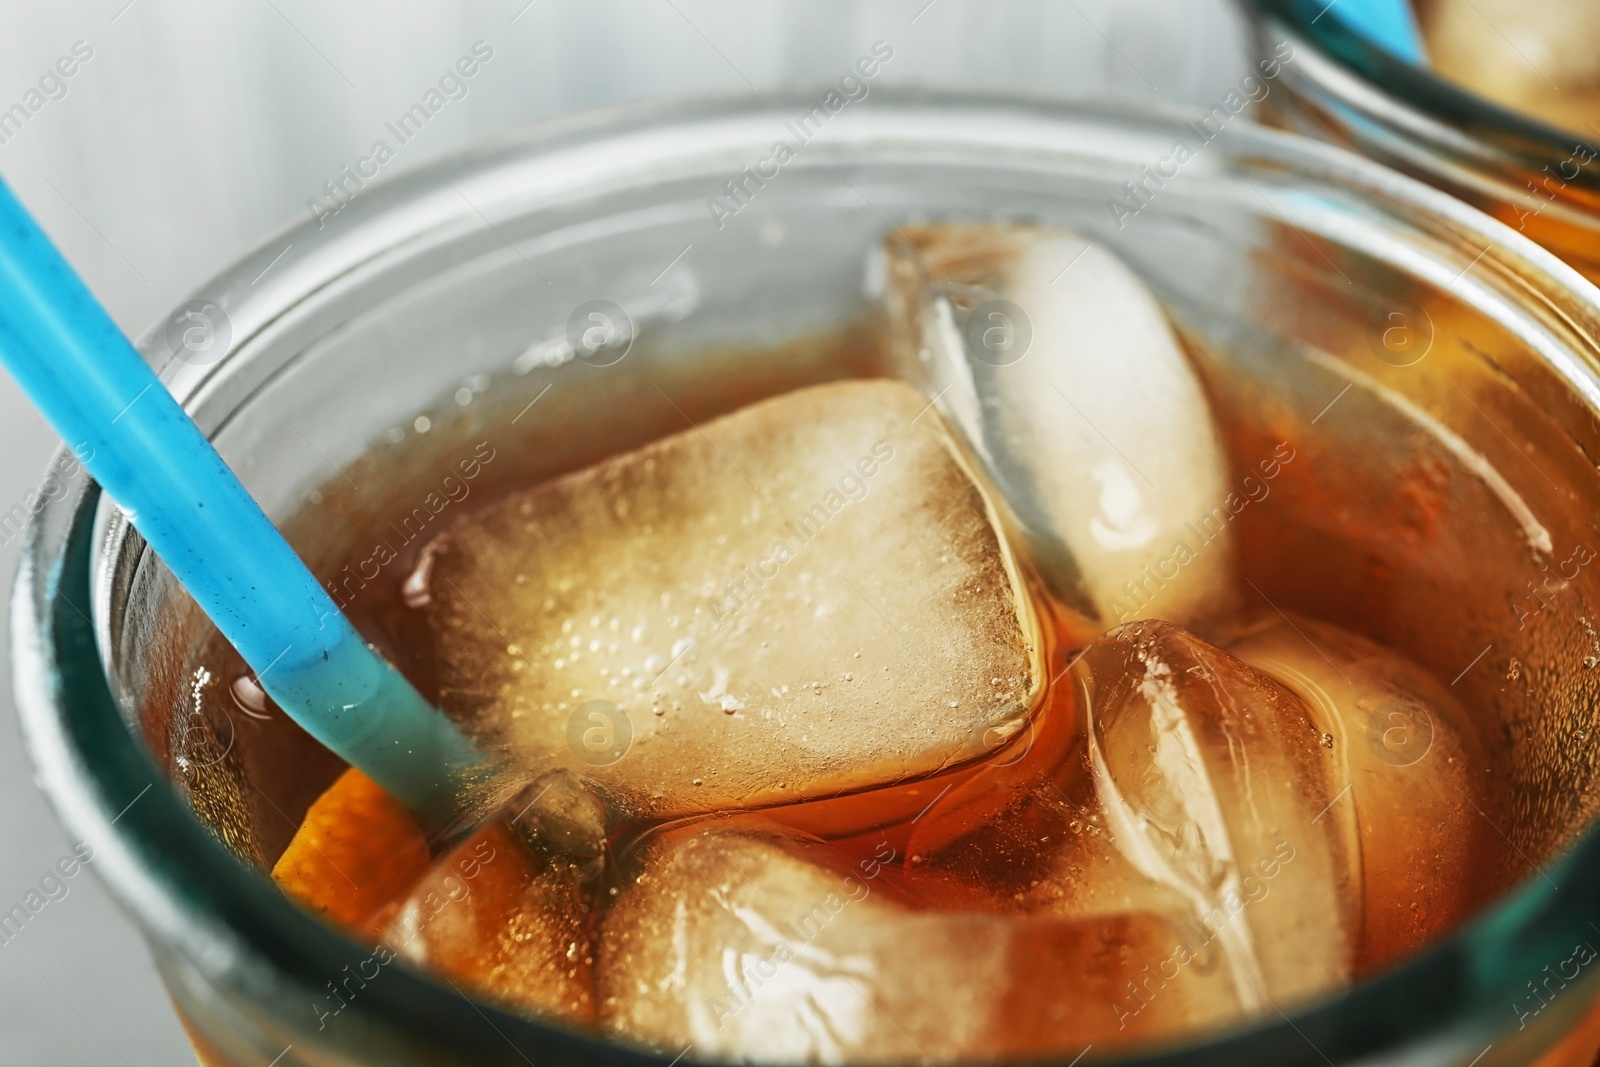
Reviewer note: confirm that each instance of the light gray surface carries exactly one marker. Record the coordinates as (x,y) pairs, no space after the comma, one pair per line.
(198,129)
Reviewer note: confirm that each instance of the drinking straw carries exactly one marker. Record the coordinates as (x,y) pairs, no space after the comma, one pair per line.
(1389,24)
(98,393)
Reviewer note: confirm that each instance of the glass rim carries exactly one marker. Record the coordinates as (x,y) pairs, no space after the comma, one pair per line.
(187,889)
(1409,97)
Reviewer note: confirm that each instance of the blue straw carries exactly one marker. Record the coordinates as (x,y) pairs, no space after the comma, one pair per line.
(96,390)
(1389,24)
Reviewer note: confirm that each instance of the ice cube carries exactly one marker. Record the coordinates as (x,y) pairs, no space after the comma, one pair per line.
(805,596)
(560,814)
(506,922)
(1215,785)
(1038,843)
(751,945)
(1068,384)
(1415,771)
(1539,58)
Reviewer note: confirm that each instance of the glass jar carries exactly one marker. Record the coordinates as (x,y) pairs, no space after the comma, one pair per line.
(434,302)
(1533,176)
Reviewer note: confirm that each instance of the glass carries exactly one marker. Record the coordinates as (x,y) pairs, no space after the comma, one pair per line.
(1531,175)
(1290,266)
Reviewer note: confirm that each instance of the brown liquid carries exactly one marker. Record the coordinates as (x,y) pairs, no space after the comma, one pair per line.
(984,838)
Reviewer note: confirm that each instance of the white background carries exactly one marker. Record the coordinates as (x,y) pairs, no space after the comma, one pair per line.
(200,127)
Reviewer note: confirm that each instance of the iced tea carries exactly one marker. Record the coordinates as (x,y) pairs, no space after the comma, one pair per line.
(940,706)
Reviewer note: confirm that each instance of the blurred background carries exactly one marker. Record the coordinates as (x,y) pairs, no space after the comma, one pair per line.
(190,132)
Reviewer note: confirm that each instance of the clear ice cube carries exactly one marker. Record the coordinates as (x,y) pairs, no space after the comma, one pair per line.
(1069,385)
(1415,770)
(1038,842)
(803,597)
(504,921)
(1215,783)
(753,945)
